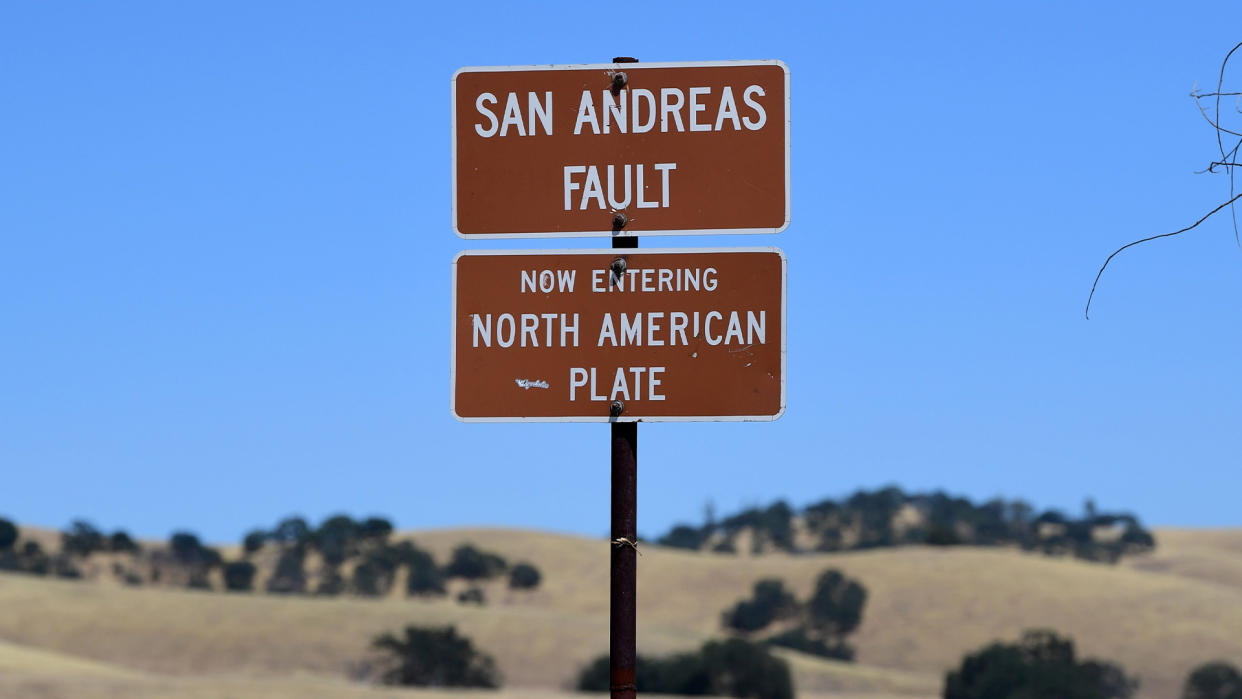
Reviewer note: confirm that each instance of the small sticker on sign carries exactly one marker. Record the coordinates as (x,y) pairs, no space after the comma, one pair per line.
(527,384)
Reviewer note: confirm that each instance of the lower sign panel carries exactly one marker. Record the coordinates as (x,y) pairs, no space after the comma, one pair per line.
(658,335)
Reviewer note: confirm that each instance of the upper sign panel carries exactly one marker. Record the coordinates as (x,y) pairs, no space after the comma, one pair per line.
(677,148)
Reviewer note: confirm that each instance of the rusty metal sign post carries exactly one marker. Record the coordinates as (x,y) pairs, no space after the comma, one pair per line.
(623,528)
(620,150)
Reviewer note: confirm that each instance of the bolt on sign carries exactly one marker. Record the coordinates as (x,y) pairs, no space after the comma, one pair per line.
(601,335)
(621,149)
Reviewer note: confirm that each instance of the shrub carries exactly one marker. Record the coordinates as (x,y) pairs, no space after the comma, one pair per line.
(81,539)
(774,522)
(188,551)
(770,601)
(336,539)
(185,547)
(1041,664)
(1214,680)
(121,542)
(62,567)
(737,668)
(289,576)
(684,536)
(375,528)
(733,668)
(8,534)
(472,564)
(942,535)
(292,530)
(254,541)
(371,578)
(472,595)
(374,575)
(33,559)
(435,657)
(834,610)
(424,577)
(331,583)
(524,576)
(239,576)
(836,605)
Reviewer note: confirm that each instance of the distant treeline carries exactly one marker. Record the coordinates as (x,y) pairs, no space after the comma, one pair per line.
(340,556)
(891,517)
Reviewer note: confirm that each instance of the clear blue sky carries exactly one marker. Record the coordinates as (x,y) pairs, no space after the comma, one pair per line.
(225,253)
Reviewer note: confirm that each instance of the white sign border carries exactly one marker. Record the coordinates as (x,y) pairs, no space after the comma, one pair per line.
(613,67)
(622,418)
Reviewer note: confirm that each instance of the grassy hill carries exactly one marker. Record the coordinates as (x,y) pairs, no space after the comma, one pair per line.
(1158,615)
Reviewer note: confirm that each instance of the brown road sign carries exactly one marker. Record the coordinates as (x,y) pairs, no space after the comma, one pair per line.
(677,148)
(674,335)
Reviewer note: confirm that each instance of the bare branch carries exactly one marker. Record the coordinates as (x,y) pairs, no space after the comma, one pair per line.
(1211,168)
(1219,129)
(1220,83)
(1228,161)
(1087,311)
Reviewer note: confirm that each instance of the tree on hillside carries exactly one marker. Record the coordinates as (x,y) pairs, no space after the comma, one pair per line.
(741,669)
(290,574)
(290,531)
(375,529)
(1214,680)
(239,576)
(372,578)
(188,551)
(8,534)
(185,546)
(473,564)
(773,523)
(82,538)
(836,604)
(121,542)
(684,536)
(472,595)
(768,602)
(374,575)
(254,541)
(336,539)
(189,554)
(424,575)
(524,576)
(33,560)
(331,582)
(730,668)
(1041,664)
(62,566)
(891,517)
(434,657)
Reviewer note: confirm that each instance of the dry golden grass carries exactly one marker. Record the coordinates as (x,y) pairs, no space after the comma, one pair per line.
(927,606)
(1157,616)
(1210,555)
